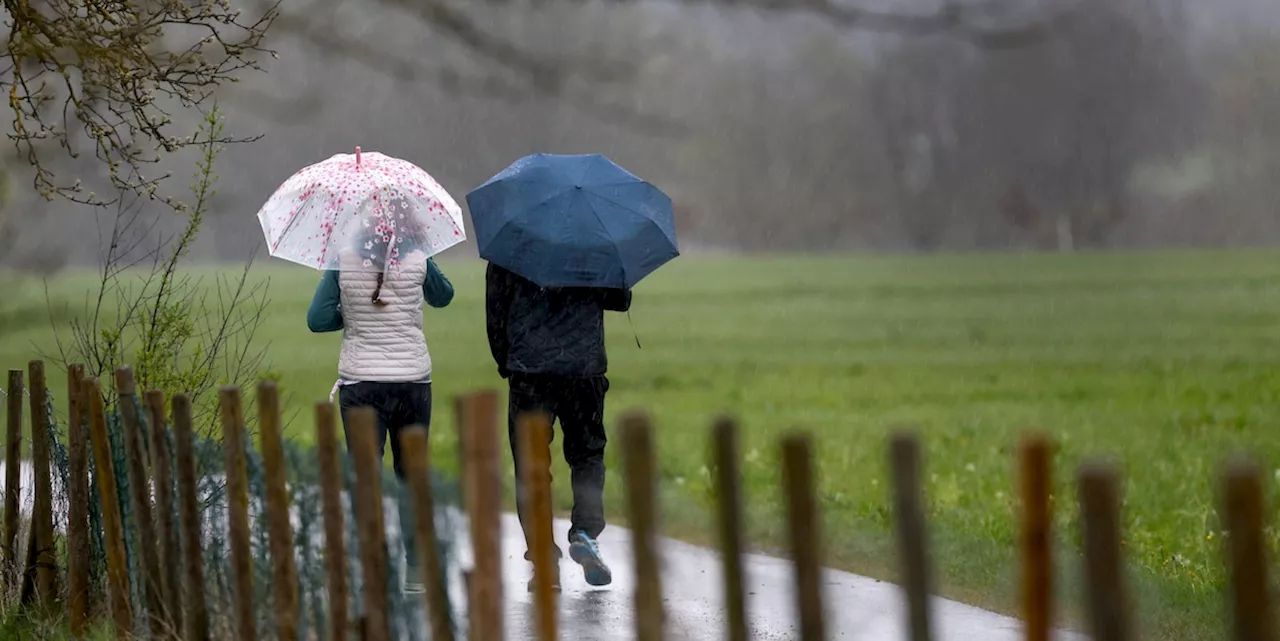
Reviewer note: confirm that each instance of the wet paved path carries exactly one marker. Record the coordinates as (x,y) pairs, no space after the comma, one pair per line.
(858,608)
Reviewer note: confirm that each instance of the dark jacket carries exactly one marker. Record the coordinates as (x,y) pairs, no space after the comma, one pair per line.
(558,331)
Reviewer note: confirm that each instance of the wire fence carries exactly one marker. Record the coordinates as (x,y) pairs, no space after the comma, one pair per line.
(39,565)
(290,543)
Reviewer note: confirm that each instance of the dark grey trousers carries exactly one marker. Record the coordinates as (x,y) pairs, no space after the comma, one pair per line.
(577,403)
(398,406)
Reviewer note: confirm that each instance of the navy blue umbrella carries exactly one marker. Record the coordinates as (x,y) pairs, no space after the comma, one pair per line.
(573,221)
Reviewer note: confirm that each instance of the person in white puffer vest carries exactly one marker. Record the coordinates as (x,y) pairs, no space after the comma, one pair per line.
(384,362)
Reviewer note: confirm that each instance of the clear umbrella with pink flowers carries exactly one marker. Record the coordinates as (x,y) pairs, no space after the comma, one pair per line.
(367,205)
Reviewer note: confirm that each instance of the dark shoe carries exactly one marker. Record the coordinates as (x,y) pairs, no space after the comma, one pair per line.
(555,581)
(585,552)
(556,554)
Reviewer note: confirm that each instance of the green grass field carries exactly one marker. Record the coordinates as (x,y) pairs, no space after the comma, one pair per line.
(1168,361)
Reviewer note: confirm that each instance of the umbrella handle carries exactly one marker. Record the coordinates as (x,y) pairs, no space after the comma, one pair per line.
(357,156)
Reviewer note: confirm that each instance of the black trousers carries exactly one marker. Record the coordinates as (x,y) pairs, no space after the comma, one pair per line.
(578,405)
(398,406)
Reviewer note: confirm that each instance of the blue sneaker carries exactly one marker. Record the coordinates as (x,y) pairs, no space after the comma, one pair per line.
(584,551)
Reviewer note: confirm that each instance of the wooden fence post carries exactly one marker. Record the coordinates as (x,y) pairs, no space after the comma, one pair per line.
(484,508)
(140,491)
(1037,534)
(12,478)
(460,429)
(285,573)
(1246,551)
(726,450)
(197,611)
(417,456)
(1106,592)
(233,436)
(362,423)
(806,535)
(77,505)
(534,447)
(641,489)
(170,589)
(904,457)
(117,565)
(43,554)
(335,553)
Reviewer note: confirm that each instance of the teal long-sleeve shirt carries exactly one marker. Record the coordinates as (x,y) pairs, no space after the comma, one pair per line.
(325,315)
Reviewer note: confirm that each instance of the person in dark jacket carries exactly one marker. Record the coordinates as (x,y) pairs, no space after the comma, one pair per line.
(549,344)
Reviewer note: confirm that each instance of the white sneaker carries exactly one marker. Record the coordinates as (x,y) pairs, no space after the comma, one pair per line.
(414,587)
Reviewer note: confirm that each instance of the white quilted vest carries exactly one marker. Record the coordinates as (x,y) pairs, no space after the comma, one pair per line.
(383,343)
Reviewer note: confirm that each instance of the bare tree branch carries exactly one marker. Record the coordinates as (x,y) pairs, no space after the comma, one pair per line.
(113,71)
(448,20)
(522,72)
(994,23)
(544,78)
(182,335)
(108,74)
(390,64)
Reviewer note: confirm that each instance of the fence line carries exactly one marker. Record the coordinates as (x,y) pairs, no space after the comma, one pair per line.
(331,496)
(904,462)
(166,529)
(235,440)
(483,495)
(140,493)
(78,554)
(417,456)
(535,466)
(13,458)
(1242,488)
(176,598)
(724,439)
(1035,463)
(638,474)
(1108,600)
(373,530)
(41,554)
(281,530)
(195,613)
(117,563)
(806,543)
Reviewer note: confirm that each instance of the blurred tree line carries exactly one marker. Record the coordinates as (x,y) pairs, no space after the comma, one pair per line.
(1002,124)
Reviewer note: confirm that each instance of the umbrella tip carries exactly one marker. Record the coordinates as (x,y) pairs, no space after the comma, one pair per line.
(357,155)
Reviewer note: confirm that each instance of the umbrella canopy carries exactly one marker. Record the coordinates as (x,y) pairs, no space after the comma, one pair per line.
(380,207)
(573,221)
